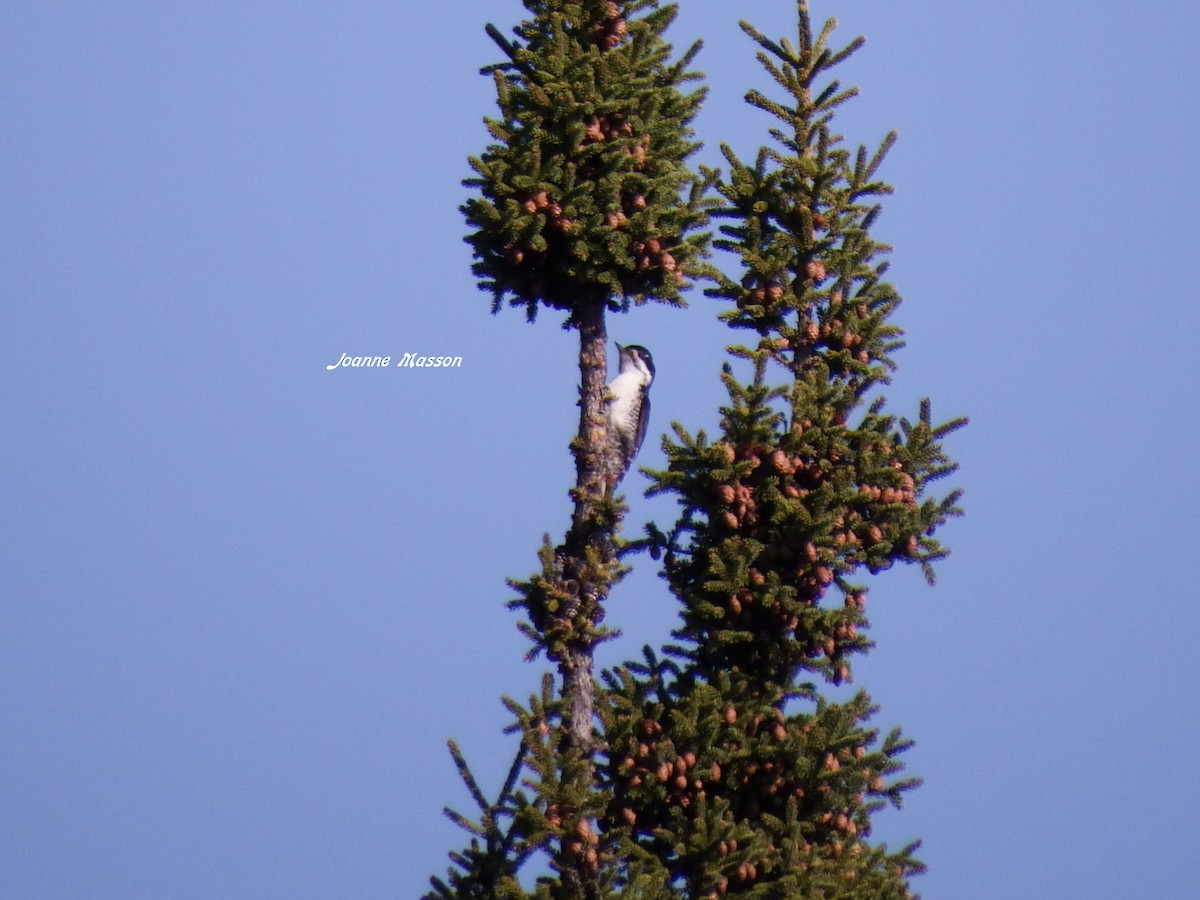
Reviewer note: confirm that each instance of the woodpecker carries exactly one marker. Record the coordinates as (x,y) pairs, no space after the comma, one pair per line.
(628,408)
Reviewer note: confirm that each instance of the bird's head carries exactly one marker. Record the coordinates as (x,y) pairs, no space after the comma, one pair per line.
(636,358)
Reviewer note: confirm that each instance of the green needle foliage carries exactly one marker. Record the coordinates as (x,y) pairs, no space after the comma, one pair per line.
(732,770)
(736,761)
(580,193)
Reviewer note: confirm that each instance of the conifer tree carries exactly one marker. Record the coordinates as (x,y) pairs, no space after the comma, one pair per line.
(736,761)
(732,768)
(585,205)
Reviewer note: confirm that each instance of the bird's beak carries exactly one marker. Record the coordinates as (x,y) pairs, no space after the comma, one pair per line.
(619,347)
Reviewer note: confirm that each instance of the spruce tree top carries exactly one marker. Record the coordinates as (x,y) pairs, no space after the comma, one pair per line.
(579,192)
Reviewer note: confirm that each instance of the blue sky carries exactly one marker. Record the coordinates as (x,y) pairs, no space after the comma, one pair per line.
(244,600)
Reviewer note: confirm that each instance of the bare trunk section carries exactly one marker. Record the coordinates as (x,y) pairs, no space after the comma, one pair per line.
(586,530)
(587,543)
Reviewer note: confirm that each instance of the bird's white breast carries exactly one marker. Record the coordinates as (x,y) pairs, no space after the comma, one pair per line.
(626,391)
